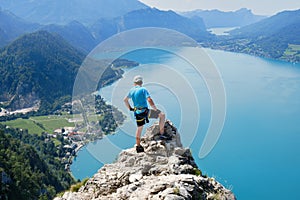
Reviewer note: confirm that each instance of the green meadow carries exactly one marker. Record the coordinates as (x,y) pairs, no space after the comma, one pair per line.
(37,125)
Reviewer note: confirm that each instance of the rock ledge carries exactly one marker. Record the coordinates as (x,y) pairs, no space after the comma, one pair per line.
(165,171)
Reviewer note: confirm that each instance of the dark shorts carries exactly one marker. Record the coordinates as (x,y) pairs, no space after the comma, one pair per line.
(142,118)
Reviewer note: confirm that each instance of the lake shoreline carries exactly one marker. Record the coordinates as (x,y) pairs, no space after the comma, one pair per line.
(262,112)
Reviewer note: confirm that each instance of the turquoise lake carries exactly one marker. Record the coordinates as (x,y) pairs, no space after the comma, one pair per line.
(258,152)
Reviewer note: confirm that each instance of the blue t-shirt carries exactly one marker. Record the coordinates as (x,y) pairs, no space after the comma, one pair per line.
(139,96)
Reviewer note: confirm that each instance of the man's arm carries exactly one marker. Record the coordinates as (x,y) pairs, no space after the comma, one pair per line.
(127,104)
(151,103)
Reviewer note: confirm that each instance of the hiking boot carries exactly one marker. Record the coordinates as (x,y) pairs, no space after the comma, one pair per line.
(139,149)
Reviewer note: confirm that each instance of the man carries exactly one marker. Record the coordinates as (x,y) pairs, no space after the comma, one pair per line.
(141,97)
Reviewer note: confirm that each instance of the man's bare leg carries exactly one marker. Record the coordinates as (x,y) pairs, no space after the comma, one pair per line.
(138,135)
(162,118)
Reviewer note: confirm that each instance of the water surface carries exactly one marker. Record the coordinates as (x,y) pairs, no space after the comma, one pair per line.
(257,155)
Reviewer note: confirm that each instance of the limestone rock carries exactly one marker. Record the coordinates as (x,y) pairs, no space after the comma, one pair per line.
(165,170)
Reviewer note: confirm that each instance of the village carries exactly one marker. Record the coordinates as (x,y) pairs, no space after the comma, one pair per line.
(86,130)
(75,142)
(67,129)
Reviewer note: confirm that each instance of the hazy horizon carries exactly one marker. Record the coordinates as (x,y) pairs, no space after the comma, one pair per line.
(258,7)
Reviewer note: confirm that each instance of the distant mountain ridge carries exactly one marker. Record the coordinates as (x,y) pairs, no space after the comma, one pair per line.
(85,38)
(272,37)
(12,26)
(275,37)
(65,11)
(217,18)
(269,26)
(151,17)
(75,33)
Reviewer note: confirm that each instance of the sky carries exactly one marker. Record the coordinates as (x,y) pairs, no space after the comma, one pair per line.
(259,7)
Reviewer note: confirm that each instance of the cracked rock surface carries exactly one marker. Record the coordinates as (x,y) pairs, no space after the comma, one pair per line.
(166,170)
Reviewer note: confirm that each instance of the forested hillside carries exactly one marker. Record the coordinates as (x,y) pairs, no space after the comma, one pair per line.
(29,168)
(37,67)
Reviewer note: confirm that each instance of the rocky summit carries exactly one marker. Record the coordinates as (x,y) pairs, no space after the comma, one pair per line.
(166,170)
